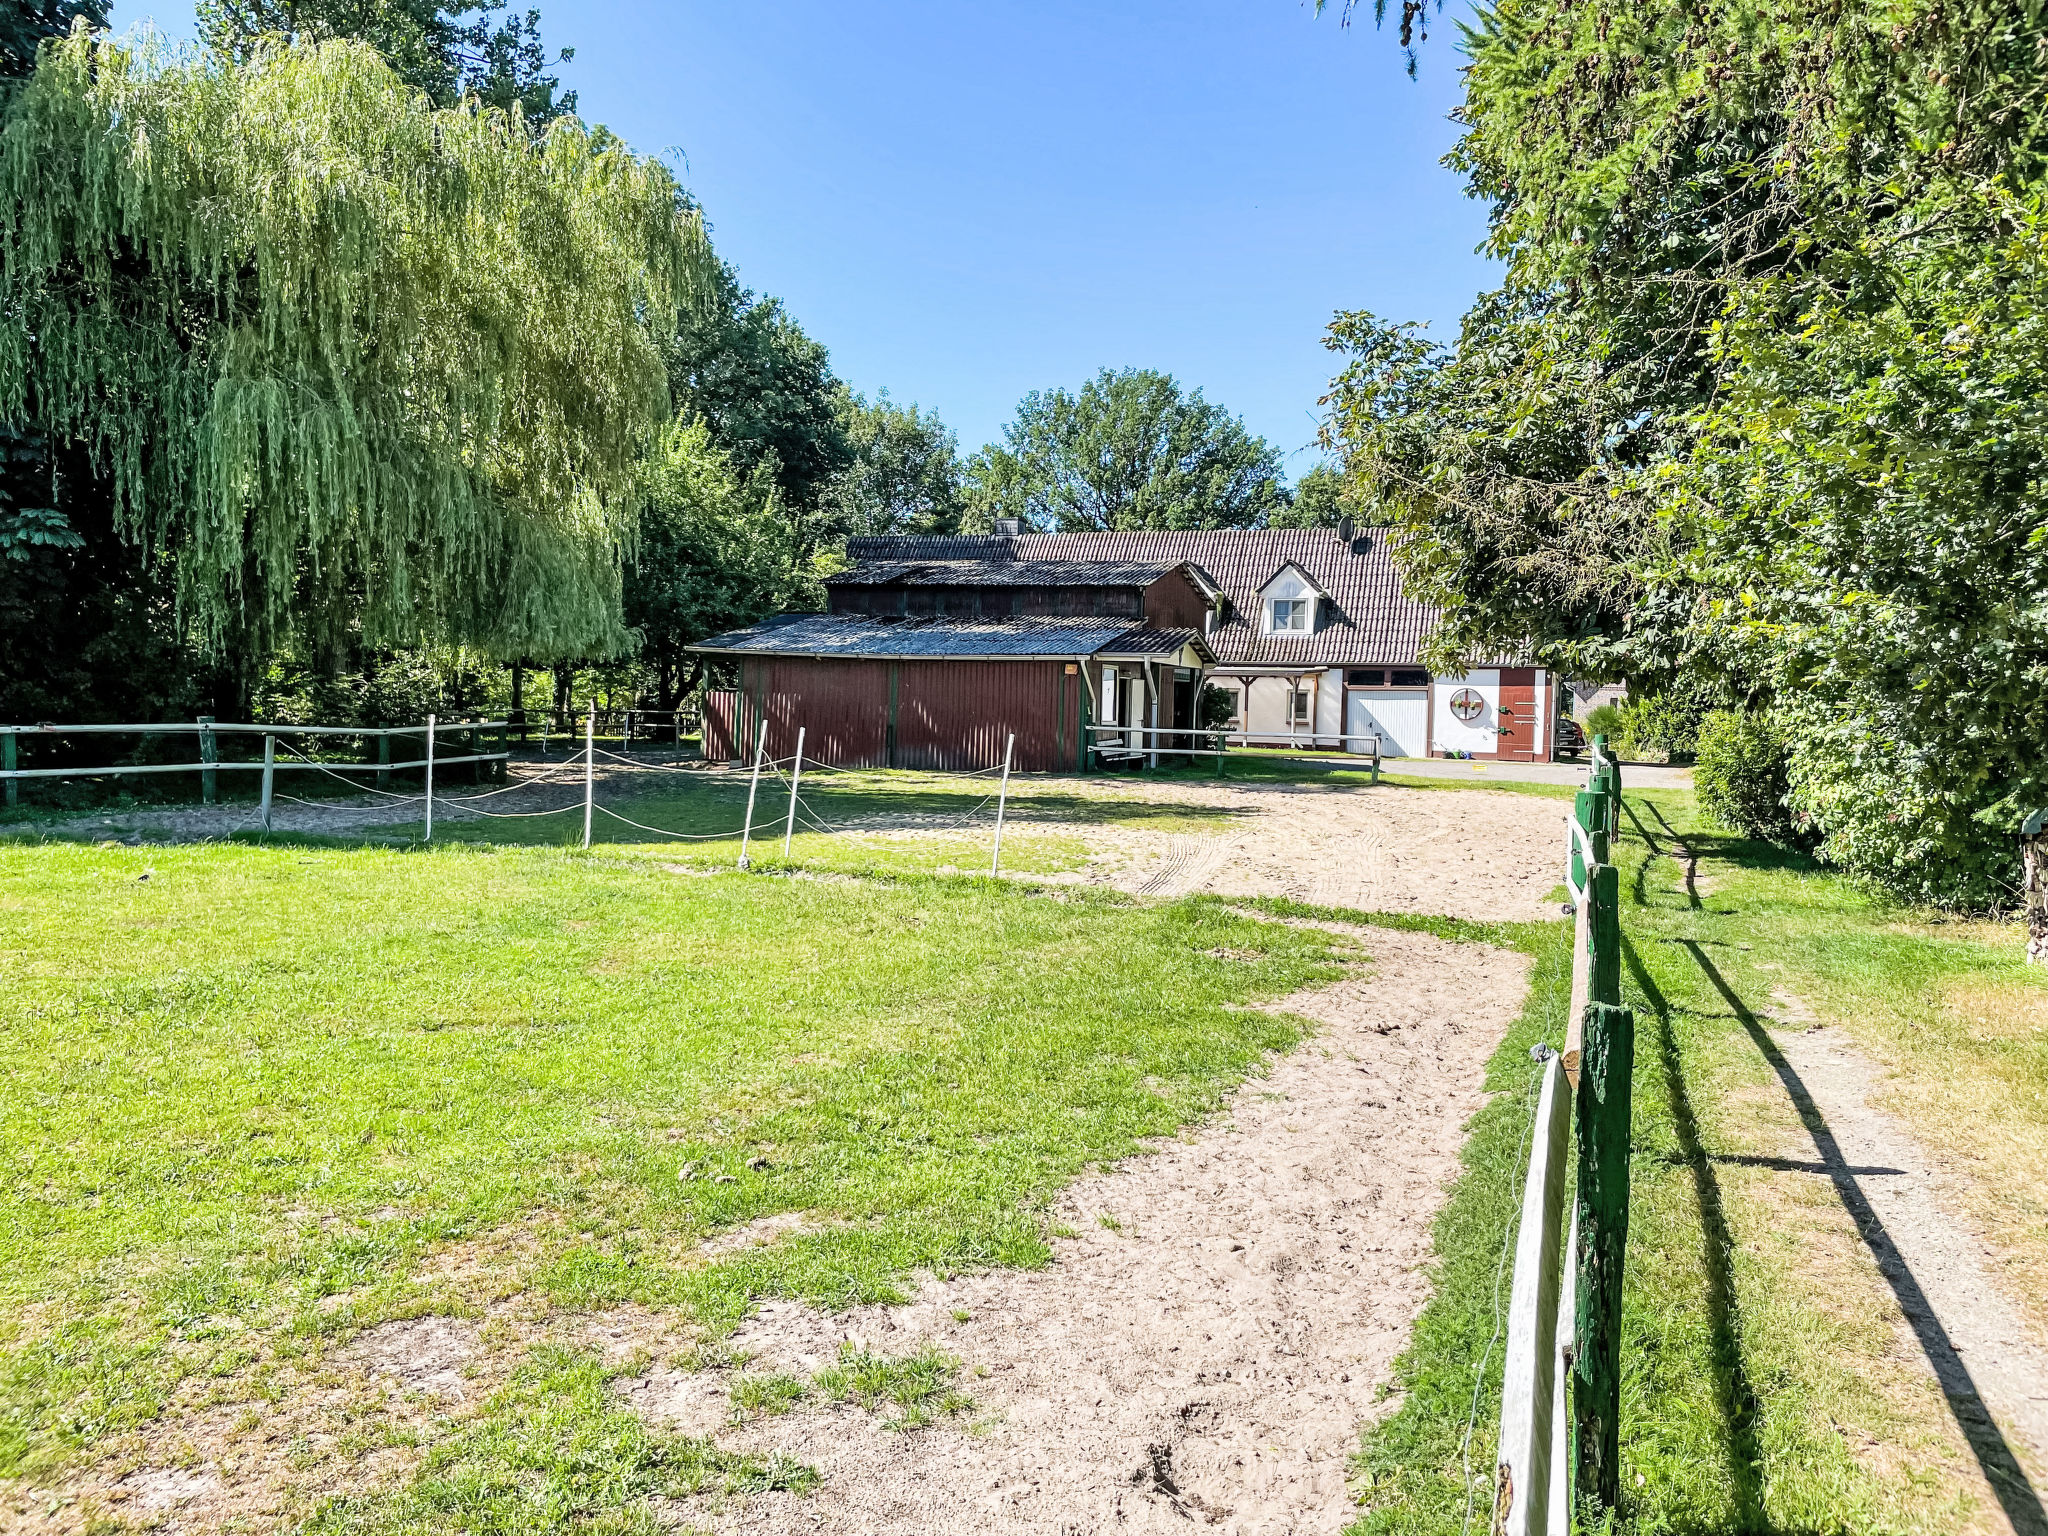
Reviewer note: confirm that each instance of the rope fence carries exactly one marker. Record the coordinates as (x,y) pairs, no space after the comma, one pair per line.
(579,770)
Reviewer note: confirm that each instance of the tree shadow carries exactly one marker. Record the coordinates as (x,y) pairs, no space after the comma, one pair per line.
(1737,1398)
(2008,1479)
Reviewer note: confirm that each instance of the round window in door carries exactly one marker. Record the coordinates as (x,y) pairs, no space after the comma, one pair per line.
(1467,705)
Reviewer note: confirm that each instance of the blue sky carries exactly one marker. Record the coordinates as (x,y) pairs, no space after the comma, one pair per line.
(968,201)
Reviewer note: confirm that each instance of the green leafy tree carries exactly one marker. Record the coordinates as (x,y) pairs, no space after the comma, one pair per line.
(25,23)
(341,365)
(905,475)
(1129,450)
(1320,499)
(1766,370)
(715,551)
(766,391)
(451,53)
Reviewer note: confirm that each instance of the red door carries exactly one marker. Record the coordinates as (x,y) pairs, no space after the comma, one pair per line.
(1520,730)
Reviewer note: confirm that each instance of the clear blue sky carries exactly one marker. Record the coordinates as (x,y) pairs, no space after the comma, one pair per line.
(968,201)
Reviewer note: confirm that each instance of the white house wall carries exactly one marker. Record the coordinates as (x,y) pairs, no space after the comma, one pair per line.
(1481,734)
(1330,706)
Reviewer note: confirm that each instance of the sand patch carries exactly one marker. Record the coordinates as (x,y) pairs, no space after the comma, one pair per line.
(1204,1354)
(425,1354)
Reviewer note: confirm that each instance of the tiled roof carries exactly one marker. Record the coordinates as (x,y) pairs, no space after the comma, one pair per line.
(1371,622)
(823,634)
(1002,573)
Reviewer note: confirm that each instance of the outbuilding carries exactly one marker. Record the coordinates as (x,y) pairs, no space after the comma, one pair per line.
(934,649)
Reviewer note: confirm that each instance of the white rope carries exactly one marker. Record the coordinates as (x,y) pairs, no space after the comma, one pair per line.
(688,837)
(365,789)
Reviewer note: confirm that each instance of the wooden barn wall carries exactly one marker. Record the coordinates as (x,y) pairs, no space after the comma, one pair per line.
(950,715)
(956,714)
(721,721)
(1174,602)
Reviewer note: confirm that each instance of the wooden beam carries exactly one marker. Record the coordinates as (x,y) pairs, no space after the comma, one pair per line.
(1603,1102)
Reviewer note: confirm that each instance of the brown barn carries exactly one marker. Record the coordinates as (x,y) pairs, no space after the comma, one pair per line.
(935,663)
(1306,630)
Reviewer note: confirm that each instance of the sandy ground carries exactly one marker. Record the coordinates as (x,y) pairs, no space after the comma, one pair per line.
(1477,853)
(1991,1369)
(1209,1360)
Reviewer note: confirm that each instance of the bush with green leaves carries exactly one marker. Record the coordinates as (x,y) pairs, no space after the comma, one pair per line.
(1740,774)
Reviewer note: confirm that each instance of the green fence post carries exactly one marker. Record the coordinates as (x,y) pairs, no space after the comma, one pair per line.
(1603,937)
(209,752)
(384,759)
(9,762)
(1602,1109)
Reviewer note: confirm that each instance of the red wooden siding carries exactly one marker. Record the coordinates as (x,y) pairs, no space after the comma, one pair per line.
(1175,602)
(950,715)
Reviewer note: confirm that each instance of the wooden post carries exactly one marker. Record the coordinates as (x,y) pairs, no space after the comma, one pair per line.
(1603,1121)
(1523,1467)
(209,752)
(383,759)
(995,861)
(2033,875)
(10,763)
(753,788)
(430,779)
(1560,1522)
(796,773)
(269,775)
(589,769)
(1603,936)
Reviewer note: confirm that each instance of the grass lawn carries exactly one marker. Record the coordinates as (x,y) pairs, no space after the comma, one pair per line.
(1765,1385)
(254,1098)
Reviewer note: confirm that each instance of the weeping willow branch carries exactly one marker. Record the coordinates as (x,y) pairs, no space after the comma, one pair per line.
(342,357)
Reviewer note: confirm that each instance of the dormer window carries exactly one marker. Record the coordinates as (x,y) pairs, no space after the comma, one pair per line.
(1289,615)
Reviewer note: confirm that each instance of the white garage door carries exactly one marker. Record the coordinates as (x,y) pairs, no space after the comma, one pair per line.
(1399,719)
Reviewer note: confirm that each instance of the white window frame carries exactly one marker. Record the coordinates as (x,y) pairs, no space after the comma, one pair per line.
(1298,609)
(1301,705)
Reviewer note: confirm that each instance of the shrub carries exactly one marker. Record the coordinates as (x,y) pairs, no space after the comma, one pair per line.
(1740,774)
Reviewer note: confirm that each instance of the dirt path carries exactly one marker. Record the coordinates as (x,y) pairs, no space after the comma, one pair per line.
(1476,853)
(1989,1366)
(1206,1344)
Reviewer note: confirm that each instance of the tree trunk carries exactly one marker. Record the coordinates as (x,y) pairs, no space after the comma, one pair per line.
(2034,865)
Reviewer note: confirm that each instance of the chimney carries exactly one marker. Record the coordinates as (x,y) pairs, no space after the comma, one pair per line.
(1007,527)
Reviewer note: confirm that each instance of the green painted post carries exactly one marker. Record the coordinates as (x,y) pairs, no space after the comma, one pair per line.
(1602,1107)
(384,759)
(209,752)
(1603,934)
(8,762)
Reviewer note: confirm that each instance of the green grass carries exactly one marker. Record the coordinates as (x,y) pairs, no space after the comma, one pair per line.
(1757,1390)
(916,1388)
(244,1101)
(555,1449)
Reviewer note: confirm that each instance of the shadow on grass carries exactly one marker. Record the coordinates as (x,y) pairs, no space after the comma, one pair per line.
(1717,1251)
(2009,1482)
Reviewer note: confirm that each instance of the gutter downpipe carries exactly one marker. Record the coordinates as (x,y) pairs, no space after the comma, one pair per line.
(1152,685)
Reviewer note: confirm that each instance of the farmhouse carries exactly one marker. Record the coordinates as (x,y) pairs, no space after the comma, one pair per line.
(934,649)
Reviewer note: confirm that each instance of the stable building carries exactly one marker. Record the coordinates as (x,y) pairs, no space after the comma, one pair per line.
(934,649)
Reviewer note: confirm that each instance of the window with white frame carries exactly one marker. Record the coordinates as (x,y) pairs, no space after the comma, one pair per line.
(1299,703)
(1288,615)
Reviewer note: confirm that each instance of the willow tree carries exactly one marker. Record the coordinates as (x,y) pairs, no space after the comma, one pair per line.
(346,363)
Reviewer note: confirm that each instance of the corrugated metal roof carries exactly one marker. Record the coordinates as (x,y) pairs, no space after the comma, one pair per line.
(1003,573)
(1371,622)
(828,634)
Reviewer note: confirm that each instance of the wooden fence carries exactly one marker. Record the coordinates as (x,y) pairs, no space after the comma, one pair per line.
(1561,1393)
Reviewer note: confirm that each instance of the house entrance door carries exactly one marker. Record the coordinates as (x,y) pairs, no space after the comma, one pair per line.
(1520,730)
